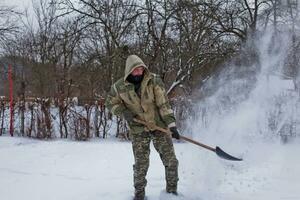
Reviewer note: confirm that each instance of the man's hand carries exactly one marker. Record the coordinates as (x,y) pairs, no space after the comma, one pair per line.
(175,133)
(128,115)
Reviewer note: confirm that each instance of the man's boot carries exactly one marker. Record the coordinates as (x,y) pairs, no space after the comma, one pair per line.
(172,189)
(173,193)
(139,195)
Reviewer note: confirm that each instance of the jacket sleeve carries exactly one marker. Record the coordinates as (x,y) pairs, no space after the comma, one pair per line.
(114,103)
(162,102)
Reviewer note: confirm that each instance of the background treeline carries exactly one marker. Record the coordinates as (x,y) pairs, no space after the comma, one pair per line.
(81,45)
(78,48)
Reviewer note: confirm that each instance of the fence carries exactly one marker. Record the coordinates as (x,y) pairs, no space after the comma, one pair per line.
(46,118)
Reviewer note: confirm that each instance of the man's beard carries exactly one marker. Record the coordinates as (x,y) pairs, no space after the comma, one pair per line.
(137,79)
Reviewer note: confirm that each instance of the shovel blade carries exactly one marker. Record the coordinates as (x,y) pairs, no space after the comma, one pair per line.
(225,155)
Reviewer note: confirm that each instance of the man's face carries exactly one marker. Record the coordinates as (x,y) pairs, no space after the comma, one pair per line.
(138,71)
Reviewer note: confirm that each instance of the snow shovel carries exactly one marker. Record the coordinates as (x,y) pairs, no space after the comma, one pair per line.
(217,150)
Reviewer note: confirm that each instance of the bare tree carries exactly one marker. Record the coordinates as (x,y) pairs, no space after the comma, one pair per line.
(8,22)
(239,18)
(108,26)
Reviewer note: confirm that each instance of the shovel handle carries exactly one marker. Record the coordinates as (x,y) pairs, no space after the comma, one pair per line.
(167,131)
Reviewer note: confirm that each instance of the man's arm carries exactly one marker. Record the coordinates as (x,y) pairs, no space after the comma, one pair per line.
(114,103)
(162,102)
(116,106)
(165,110)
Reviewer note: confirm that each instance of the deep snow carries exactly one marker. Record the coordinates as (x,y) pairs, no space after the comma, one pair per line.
(102,169)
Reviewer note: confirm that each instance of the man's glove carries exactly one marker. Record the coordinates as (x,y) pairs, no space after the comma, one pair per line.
(175,133)
(128,115)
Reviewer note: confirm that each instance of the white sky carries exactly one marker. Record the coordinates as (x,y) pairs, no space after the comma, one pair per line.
(18,3)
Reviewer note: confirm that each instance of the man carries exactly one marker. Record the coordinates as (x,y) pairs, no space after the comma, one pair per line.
(141,94)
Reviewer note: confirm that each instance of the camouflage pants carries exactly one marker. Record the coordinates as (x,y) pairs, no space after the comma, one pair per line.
(141,150)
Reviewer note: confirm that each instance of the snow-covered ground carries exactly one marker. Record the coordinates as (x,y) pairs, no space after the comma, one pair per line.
(102,169)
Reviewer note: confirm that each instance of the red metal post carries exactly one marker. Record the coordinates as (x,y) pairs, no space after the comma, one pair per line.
(11,100)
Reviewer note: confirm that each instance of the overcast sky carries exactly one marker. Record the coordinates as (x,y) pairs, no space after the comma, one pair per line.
(19,3)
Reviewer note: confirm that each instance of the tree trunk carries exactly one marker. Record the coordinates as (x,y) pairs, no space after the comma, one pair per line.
(2,120)
(96,121)
(46,111)
(22,107)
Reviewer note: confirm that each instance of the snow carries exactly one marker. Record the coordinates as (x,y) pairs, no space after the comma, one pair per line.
(102,169)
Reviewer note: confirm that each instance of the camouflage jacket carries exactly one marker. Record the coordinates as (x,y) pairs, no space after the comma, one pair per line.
(152,106)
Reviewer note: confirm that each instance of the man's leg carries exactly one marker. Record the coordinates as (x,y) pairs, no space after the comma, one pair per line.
(164,146)
(141,151)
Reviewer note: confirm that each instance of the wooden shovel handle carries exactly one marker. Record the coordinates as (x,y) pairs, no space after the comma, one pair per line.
(167,131)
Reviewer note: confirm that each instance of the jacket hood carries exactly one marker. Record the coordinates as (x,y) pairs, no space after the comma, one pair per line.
(132,62)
